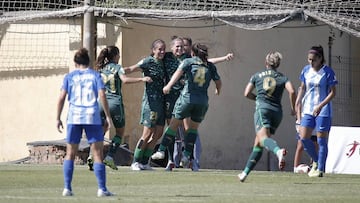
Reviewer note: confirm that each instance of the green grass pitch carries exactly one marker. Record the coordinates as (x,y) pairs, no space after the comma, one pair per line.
(44,183)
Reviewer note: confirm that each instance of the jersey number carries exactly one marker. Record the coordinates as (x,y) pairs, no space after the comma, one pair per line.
(269,85)
(84,96)
(109,79)
(200,76)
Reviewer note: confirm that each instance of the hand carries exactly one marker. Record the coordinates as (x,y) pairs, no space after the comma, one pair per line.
(166,89)
(60,126)
(217,92)
(229,56)
(109,122)
(317,110)
(297,126)
(147,79)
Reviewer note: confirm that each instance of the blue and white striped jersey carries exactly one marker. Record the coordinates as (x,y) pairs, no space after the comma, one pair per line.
(82,87)
(318,85)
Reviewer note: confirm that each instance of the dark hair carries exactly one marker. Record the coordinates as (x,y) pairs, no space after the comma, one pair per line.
(201,51)
(81,57)
(318,51)
(188,39)
(106,56)
(173,37)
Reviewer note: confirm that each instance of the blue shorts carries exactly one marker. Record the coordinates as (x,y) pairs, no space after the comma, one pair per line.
(94,133)
(319,123)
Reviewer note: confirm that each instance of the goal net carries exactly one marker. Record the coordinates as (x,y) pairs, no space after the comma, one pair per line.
(246,14)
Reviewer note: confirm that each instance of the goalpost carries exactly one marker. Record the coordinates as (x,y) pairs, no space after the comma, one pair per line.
(246,14)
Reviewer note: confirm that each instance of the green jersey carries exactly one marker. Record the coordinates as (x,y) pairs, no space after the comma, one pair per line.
(171,63)
(197,80)
(110,75)
(270,86)
(153,68)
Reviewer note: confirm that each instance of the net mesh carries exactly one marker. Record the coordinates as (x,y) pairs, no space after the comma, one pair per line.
(246,14)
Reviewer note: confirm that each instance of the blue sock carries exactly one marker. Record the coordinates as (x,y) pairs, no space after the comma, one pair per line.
(100,173)
(309,147)
(323,151)
(68,169)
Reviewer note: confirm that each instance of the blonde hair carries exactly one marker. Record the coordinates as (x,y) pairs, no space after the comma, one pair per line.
(273,59)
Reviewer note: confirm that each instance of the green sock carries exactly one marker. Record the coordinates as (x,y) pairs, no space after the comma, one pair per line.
(138,152)
(115,143)
(167,139)
(190,139)
(270,144)
(253,159)
(146,156)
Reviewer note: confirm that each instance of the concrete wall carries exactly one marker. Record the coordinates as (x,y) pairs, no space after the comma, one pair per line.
(227,132)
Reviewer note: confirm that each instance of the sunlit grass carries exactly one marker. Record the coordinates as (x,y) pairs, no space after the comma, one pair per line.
(44,183)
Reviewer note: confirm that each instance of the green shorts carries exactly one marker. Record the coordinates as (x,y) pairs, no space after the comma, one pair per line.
(170,100)
(152,113)
(268,119)
(117,112)
(195,111)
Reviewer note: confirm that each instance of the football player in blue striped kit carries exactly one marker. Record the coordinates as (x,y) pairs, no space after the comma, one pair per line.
(316,91)
(83,86)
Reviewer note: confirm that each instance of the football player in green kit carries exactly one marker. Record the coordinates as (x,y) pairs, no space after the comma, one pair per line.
(193,100)
(269,85)
(152,109)
(113,75)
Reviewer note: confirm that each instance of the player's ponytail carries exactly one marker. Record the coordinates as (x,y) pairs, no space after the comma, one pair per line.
(106,56)
(200,51)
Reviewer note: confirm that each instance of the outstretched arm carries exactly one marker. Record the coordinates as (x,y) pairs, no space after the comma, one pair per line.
(125,79)
(132,68)
(227,57)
